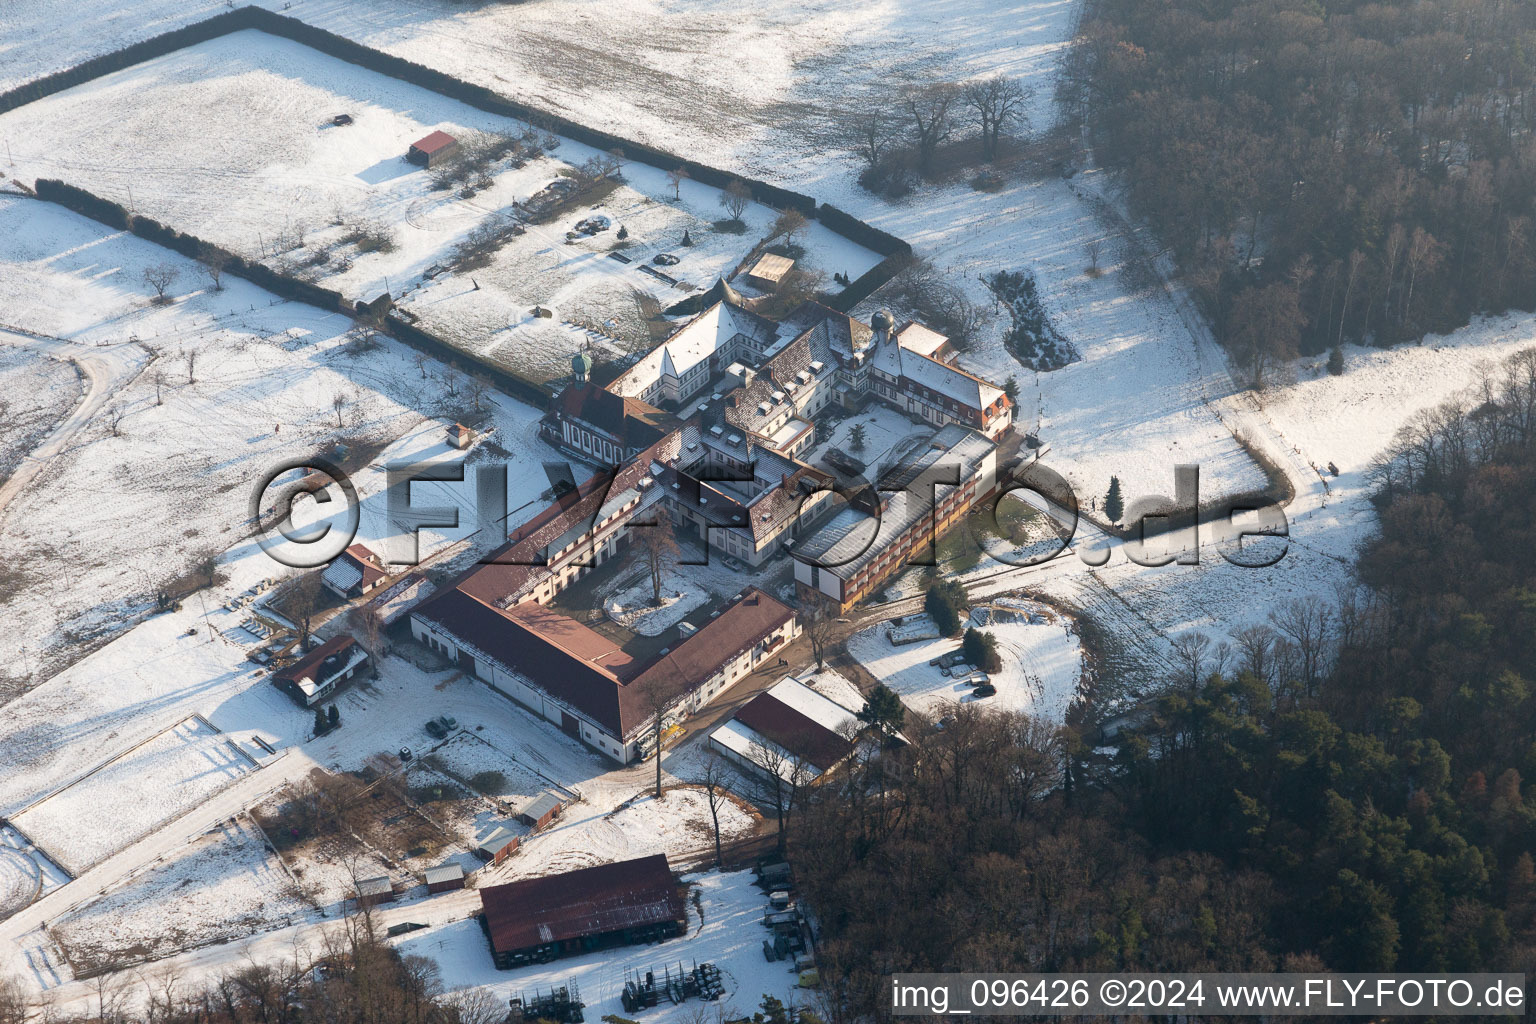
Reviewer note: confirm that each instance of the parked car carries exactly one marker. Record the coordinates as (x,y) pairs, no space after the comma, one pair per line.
(435,729)
(664,259)
(984,690)
(405,753)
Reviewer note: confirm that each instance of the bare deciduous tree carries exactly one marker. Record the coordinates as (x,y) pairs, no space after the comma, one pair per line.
(820,630)
(339,403)
(713,780)
(996,103)
(783,776)
(787,225)
(369,626)
(930,113)
(214,260)
(874,127)
(191,366)
(655,548)
(302,602)
(675,178)
(161,276)
(734,199)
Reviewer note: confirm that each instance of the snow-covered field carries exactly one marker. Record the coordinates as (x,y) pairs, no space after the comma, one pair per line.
(724,928)
(145,787)
(254,108)
(169,487)
(220,887)
(1042,664)
(26,873)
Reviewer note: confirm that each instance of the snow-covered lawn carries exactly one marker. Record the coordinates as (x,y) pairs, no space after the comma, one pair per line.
(223,886)
(632,607)
(145,787)
(1042,664)
(679,825)
(888,435)
(170,486)
(725,914)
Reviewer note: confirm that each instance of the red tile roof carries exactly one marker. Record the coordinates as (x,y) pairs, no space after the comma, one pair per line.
(590,901)
(433,142)
(311,662)
(367,563)
(585,670)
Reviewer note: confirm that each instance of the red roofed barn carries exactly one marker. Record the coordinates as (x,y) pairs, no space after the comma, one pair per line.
(539,919)
(433,149)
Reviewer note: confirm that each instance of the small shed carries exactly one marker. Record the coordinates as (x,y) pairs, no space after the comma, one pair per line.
(431,150)
(373,891)
(769,270)
(498,846)
(542,810)
(460,436)
(445,877)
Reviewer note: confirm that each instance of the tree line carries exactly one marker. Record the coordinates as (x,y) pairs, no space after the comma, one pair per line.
(1327,171)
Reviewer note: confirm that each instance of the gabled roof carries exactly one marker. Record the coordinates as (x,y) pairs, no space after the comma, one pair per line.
(434,141)
(629,421)
(709,332)
(801,722)
(589,901)
(588,672)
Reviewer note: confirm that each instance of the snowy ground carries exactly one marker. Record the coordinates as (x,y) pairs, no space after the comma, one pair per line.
(256,108)
(171,486)
(39,392)
(757,90)
(26,873)
(145,787)
(631,606)
(222,886)
(1042,664)
(724,928)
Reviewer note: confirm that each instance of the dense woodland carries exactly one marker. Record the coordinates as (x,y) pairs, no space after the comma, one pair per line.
(1325,170)
(1345,786)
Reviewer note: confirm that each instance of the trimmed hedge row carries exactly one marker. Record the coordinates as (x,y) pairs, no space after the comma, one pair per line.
(536,395)
(113,215)
(868,282)
(128,56)
(867,235)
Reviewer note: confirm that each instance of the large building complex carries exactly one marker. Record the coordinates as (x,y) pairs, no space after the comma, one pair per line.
(705,433)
